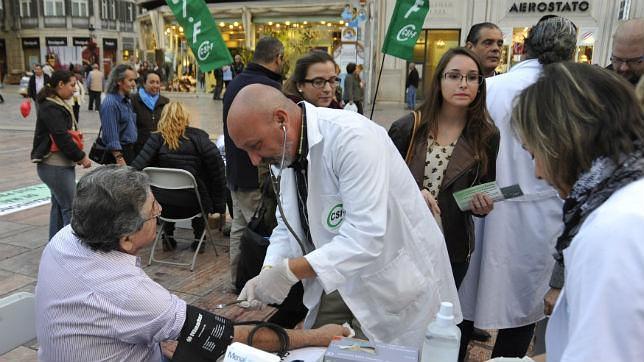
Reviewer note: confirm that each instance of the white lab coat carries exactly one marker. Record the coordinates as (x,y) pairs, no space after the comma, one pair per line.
(600,312)
(512,263)
(376,242)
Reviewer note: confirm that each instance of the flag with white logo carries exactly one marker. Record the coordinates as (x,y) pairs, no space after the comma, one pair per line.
(202,33)
(405,27)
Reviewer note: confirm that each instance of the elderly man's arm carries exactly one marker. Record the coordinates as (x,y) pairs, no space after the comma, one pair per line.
(267,340)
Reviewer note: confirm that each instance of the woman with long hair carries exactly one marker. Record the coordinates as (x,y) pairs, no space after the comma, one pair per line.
(177,145)
(585,130)
(314,80)
(56,169)
(450,144)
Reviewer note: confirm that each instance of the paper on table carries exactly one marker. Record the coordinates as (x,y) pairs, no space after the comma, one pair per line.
(306,354)
(464,197)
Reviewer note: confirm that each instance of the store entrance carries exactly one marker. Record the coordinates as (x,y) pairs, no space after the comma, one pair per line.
(430,47)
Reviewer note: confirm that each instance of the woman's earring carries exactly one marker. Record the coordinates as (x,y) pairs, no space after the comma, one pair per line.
(299,90)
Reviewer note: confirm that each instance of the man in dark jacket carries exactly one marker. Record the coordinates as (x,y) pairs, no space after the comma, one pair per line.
(242,176)
(147,104)
(411,86)
(37,81)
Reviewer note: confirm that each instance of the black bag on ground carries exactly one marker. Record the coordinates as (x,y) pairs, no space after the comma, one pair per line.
(99,153)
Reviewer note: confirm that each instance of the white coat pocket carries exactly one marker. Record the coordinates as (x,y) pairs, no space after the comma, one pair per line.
(397,285)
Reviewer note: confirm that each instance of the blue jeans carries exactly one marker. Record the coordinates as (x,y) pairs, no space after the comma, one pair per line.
(411,97)
(61,181)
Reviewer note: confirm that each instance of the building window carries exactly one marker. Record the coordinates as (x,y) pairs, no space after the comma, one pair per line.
(25,8)
(130,12)
(103,9)
(112,10)
(54,8)
(79,8)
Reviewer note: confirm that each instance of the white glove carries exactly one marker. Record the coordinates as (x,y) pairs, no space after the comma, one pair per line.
(248,294)
(274,284)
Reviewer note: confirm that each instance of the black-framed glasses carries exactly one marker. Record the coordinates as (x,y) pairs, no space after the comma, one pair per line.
(470,78)
(156,211)
(617,61)
(321,82)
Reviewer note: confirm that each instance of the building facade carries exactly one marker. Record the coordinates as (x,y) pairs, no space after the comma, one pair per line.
(64,32)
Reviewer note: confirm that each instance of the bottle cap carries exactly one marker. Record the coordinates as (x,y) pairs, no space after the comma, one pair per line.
(445,315)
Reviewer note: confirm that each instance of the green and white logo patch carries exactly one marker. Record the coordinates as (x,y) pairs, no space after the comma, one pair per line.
(334,217)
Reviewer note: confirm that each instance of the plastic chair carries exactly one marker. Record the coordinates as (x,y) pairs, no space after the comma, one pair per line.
(177,179)
(17,320)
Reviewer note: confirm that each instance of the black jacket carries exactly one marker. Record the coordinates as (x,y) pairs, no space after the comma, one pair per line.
(241,173)
(197,155)
(54,120)
(463,171)
(31,88)
(146,120)
(412,79)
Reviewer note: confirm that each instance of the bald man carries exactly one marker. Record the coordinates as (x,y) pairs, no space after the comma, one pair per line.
(352,224)
(627,58)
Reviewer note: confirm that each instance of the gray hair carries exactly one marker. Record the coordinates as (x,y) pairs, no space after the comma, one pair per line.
(117,75)
(267,50)
(552,40)
(107,206)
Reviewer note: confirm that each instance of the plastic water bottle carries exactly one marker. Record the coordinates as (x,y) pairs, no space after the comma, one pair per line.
(442,338)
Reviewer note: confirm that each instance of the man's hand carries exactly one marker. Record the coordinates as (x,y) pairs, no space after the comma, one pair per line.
(168,348)
(274,284)
(481,204)
(431,202)
(85,162)
(550,300)
(326,333)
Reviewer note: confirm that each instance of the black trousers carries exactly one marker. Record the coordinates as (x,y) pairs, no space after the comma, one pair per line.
(76,109)
(94,100)
(510,342)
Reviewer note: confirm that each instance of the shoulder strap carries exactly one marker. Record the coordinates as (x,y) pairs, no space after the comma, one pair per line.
(410,148)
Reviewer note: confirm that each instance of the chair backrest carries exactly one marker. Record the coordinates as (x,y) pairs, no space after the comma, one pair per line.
(17,320)
(170,178)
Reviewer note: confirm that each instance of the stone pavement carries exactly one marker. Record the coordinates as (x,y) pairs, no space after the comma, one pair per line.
(23,234)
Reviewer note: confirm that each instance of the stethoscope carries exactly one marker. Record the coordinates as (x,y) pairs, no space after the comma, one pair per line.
(277,180)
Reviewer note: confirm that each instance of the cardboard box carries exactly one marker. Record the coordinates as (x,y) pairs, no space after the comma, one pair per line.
(358,350)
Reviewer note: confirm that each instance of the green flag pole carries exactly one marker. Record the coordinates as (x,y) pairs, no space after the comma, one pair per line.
(201,32)
(375,94)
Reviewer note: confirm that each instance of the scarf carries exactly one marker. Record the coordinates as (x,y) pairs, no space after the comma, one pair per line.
(149,100)
(592,189)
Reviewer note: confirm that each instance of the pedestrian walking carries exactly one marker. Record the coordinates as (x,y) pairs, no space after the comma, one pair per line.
(95,81)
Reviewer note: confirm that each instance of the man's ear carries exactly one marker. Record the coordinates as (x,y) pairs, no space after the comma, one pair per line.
(125,243)
(280,116)
(469,45)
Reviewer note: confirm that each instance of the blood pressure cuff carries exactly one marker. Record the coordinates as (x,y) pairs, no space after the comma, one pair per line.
(204,336)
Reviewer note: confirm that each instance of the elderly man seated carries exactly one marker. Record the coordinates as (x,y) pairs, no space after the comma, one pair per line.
(94,302)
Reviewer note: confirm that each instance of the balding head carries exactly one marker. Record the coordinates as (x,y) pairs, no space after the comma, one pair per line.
(257,121)
(628,49)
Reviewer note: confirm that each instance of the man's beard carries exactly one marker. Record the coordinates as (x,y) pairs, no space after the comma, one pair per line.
(277,160)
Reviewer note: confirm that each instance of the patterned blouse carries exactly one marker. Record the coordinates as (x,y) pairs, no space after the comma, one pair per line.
(436,164)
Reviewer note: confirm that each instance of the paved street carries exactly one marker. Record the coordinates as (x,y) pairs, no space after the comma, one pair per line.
(23,234)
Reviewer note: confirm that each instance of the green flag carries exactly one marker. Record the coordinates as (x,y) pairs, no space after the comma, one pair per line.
(202,34)
(405,27)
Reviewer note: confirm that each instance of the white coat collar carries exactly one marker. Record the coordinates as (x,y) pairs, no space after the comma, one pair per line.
(312,126)
(527,64)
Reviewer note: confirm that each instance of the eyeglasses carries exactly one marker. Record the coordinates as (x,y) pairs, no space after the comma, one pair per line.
(155,206)
(470,78)
(321,82)
(617,61)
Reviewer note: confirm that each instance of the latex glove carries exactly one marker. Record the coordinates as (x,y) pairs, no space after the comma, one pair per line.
(274,284)
(248,294)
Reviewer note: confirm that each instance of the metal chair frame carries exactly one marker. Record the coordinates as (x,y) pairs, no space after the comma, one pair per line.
(178,179)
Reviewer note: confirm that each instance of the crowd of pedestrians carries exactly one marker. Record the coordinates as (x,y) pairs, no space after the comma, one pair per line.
(570,135)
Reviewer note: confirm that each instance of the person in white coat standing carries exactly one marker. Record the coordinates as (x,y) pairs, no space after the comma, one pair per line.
(351,219)
(511,267)
(585,128)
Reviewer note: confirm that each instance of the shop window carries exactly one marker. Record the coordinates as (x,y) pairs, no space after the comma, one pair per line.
(79,8)
(25,8)
(54,8)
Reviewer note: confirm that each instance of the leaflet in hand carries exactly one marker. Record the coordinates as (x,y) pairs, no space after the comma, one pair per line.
(464,197)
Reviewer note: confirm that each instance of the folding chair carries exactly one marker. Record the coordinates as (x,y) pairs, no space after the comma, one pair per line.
(177,179)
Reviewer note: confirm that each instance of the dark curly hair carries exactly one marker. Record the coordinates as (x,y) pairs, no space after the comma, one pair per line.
(552,40)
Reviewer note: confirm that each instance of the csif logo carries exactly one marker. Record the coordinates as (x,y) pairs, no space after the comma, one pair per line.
(335,216)
(204,50)
(407,32)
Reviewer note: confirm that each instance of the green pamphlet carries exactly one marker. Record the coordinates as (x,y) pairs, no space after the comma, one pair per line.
(464,197)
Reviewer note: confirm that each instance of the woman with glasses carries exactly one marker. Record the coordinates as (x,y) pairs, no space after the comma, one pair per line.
(177,145)
(314,80)
(450,144)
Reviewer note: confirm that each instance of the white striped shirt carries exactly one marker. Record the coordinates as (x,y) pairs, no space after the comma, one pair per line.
(96,306)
